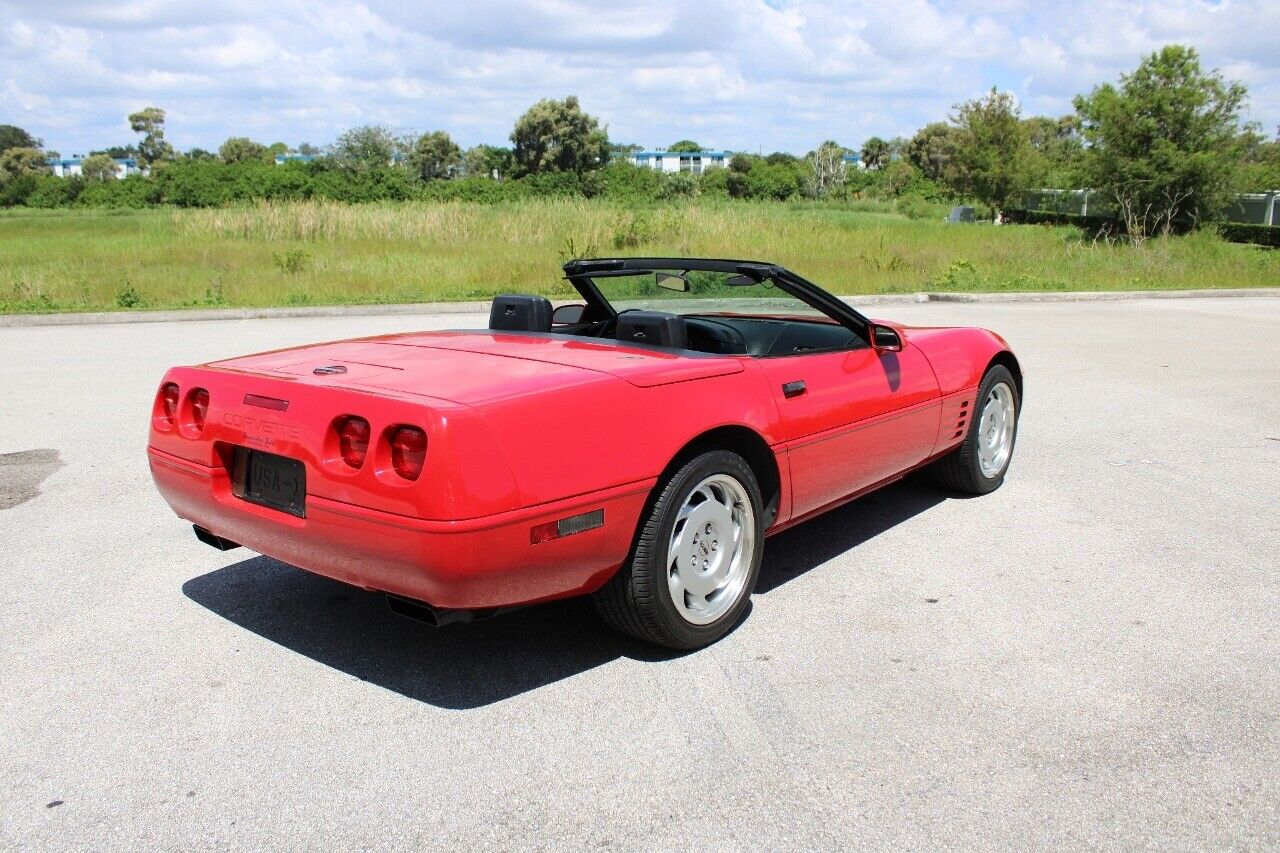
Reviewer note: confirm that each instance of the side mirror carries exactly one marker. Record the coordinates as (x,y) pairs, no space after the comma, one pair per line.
(884,339)
(567,315)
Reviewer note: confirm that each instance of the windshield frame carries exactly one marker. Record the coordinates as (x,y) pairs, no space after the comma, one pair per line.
(579,272)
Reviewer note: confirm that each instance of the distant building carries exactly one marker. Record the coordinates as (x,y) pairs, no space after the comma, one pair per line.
(699,161)
(681,161)
(1249,208)
(70,166)
(1256,209)
(294,157)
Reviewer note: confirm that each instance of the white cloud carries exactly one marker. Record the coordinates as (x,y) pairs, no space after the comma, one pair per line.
(743,74)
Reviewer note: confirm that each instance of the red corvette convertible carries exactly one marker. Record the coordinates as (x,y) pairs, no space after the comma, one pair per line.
(638,446)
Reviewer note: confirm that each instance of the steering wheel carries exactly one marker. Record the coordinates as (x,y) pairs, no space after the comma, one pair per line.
(731,339)
(610,327)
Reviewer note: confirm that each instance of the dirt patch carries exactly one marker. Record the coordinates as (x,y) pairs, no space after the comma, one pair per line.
(22,473)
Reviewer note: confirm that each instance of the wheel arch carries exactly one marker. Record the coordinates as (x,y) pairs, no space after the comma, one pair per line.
(748,444)
(1006,359)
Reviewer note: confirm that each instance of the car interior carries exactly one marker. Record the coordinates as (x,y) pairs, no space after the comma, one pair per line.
(720,335)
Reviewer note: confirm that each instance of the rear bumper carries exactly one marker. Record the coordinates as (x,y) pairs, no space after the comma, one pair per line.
(470,563)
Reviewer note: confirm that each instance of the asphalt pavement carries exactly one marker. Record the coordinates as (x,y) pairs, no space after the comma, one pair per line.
(1087,658)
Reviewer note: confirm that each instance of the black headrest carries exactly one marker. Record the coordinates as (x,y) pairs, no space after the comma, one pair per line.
(656,328)
(512,312)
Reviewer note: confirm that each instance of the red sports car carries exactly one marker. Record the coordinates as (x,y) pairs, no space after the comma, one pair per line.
(638,446)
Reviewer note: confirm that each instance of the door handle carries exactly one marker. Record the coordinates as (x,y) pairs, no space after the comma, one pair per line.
(793,389)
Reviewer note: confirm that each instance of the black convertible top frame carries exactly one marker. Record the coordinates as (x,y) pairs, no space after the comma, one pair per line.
(579,273)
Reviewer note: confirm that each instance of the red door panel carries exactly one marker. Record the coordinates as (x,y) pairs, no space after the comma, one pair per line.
(863,416)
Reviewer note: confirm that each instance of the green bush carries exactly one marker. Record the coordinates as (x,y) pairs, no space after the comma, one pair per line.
(625,181)
(633,229)
(127,296)
(1094,225)
(680,185)
(759,178)
(195,183)
(18,190)
(1244,232)
(714,183)
(383,183)
(960,275)
(134,191)
(478,189)
(898,179)
(553,184)
(917,207)
(50,192)
(290,261)
(290,182)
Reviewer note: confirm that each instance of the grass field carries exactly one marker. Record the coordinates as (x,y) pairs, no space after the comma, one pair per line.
(317,253)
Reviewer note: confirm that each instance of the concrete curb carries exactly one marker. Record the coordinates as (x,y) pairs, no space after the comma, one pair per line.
(1100,295)
(109,317)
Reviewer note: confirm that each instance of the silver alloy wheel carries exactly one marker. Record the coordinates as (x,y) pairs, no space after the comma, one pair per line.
(712,547)
(995,430)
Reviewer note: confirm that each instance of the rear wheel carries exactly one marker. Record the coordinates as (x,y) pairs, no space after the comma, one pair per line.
(695,559)
(979,464)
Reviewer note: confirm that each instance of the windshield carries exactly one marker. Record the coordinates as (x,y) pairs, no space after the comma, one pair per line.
(694,292)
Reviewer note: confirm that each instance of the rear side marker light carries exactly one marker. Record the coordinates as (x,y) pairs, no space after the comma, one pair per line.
(566,527)
(199,408)
(408,451)
(353,441)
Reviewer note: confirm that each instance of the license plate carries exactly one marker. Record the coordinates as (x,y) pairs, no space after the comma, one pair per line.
(272,481)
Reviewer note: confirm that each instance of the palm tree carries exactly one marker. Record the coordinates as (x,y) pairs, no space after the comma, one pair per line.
(875,152)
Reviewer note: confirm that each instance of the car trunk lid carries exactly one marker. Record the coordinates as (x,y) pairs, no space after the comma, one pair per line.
(472,368)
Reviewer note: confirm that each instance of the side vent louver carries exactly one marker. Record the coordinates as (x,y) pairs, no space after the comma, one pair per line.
(963,419)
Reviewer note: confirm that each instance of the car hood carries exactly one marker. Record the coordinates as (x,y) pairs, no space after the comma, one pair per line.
(939,337)
(477,367)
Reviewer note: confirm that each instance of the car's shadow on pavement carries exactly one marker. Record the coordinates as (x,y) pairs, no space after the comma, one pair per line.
(471,665)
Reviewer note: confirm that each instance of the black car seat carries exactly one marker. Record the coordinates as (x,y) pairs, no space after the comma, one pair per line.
(655,328)
(514,312)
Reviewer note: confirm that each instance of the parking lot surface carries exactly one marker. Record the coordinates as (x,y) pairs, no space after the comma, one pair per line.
(1088,657)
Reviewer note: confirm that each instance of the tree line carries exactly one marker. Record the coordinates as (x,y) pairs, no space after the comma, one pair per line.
(1165,145)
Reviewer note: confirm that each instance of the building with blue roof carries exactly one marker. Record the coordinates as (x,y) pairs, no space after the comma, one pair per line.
(70,166)
(695,162)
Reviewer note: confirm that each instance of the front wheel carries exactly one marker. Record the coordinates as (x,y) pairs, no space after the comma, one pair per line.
(695,559)
(979,464)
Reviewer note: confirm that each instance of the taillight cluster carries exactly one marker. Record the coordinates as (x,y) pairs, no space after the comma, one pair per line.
(353,441)
(404,446)
(408,451)
(171,413)
(169,399)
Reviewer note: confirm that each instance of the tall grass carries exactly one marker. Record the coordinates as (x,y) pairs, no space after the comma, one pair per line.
(327,252)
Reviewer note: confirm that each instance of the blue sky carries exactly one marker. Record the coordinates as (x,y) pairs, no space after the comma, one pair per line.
(739,74)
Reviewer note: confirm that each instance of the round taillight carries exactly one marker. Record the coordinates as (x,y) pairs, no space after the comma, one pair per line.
(169,403)
(199,407)
(353,441)
(408,451)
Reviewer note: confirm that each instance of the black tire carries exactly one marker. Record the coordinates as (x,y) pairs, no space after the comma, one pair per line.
(637,600)
(960,470)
